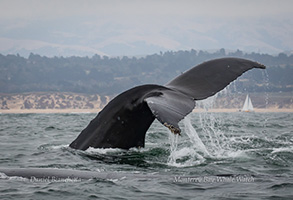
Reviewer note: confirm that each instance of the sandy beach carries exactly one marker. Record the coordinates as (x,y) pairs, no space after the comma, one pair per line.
(50,111)
(93,103)
(258,110)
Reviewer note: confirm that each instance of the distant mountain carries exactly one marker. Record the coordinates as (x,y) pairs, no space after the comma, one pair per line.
(26,47)
(115,39)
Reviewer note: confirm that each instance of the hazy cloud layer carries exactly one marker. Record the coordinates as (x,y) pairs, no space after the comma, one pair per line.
(112,27)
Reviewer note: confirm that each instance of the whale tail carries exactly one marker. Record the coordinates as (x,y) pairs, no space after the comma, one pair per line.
(125,120)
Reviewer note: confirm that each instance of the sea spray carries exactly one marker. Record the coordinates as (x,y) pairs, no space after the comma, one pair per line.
(205,141)
(265,76)
(194,138)
(187,155)
(215,139)
(210,142)
(173,138)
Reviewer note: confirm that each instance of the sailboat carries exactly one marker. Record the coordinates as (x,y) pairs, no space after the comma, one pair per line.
(247,106)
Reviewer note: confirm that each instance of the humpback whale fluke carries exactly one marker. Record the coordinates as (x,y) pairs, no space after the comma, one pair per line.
(124,121)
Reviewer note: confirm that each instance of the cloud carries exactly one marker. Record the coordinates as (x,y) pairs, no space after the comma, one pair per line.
(151,8)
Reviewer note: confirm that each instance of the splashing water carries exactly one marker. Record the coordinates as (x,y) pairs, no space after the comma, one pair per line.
(194,154)
(206,141)
(209,143)
(207,138)
(194,138)
(266,83)
(173,138)
(186,156)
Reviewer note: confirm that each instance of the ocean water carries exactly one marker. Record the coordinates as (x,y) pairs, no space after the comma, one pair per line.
(217,156)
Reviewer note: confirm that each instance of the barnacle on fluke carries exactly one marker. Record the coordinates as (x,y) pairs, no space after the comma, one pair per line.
(172,128)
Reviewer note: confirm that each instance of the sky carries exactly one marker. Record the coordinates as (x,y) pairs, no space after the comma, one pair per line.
(139,27)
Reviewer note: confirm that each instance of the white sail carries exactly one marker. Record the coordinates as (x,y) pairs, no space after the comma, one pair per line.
(247,106)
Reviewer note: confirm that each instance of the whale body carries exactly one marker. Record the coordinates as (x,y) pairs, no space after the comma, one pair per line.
(124,120)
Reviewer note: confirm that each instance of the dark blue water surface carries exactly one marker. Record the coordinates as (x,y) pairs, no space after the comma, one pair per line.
(217,156)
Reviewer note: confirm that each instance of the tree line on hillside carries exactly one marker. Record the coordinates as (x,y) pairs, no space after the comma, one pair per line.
(111,75)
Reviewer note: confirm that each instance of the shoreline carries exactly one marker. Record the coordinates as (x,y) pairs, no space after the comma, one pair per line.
(256,110)
(214,110)
(44,111)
